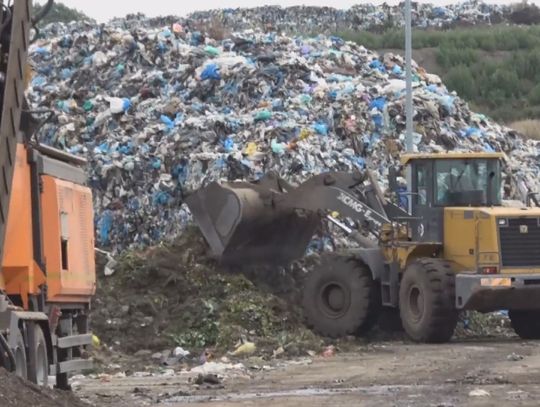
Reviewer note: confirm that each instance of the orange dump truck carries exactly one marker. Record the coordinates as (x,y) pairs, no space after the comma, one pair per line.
(48,276)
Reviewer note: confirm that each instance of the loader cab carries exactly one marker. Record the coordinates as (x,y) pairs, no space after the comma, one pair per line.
(440,181)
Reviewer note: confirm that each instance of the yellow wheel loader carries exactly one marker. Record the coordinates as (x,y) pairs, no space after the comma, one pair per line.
(454,248)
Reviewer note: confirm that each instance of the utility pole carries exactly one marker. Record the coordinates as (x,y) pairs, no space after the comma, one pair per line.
(408,97)
(408,78)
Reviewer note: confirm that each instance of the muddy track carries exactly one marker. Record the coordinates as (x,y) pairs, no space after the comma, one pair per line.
(401,374)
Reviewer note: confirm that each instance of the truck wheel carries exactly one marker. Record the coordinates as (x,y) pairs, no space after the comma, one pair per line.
(38,362)
(526,323)
(19,353)
(426,301)
(340,298)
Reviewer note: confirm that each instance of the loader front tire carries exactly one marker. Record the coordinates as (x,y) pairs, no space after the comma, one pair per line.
(340,298)
(526,323)
(426,301)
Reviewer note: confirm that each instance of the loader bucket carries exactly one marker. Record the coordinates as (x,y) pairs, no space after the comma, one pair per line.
(242,227)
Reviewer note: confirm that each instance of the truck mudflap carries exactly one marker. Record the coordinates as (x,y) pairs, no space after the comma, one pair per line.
(495,292)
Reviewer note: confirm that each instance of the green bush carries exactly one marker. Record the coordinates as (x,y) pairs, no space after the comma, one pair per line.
(449,56)
(496,69)
(461,80)
(534,95)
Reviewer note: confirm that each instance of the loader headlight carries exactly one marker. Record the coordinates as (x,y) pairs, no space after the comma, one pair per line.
(503,222)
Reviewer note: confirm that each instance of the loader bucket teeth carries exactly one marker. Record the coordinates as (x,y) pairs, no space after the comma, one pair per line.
(241,225)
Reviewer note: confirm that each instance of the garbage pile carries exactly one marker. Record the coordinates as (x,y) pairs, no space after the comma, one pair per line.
(328,20)
(160,112)
(187,309)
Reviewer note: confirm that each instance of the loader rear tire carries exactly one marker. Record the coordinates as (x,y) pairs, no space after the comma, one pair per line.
(526,323)
(38,362)
(340,298)
(426,301)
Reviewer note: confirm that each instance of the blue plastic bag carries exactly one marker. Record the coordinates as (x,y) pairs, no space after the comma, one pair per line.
(228,144)
(211,71)
(378,103)
(321,128)
(104,226)
(161,198)
(167,121)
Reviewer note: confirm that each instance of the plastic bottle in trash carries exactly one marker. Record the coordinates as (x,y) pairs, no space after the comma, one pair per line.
(119,105)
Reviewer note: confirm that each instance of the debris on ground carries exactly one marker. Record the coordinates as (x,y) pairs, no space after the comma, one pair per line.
(479,393)
(182,305)
(476,324)
(329,351)
(207,379)
(16,392)
(245,349)
(514,357)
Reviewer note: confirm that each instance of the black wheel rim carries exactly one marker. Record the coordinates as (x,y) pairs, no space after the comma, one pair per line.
(416,303)
(334,300)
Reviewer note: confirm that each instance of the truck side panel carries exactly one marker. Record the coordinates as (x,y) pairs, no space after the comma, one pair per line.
(21,275)
(68,240)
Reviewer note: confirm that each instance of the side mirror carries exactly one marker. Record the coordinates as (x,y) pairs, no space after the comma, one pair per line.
(392,179)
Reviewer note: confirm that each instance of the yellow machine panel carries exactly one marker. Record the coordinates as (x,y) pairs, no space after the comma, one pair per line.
(471,237)
(459,237)
(68,240)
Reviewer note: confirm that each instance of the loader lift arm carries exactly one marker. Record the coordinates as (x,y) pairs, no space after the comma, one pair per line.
(272,221)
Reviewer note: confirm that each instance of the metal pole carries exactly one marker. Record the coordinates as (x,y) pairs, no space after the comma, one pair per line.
(408,78)
(408,97)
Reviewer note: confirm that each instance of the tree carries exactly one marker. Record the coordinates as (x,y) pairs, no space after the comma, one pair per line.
(60,13)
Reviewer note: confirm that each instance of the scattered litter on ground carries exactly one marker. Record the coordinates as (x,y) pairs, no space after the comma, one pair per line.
(479,393)
(217,368)
(245,349)
(514,357)
(477,324)
(329,351)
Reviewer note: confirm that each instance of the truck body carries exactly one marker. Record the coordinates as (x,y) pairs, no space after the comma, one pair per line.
(47,277)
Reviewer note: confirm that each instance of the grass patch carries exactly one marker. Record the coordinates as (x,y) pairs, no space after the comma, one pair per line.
(529,128)
(494,68)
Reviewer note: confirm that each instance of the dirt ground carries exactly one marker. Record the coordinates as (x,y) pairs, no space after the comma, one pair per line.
(503,371)
(15,392)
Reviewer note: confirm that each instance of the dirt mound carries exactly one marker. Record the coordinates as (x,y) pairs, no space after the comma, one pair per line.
(175,295)
(16,392)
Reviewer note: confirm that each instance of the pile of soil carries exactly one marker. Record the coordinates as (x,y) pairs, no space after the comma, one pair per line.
(16,392)
(175,295)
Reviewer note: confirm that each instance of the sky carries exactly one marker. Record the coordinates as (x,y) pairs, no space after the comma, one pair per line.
(103,10)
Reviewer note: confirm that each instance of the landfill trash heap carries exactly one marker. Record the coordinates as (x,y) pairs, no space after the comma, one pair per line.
(159,114)
(328,20)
